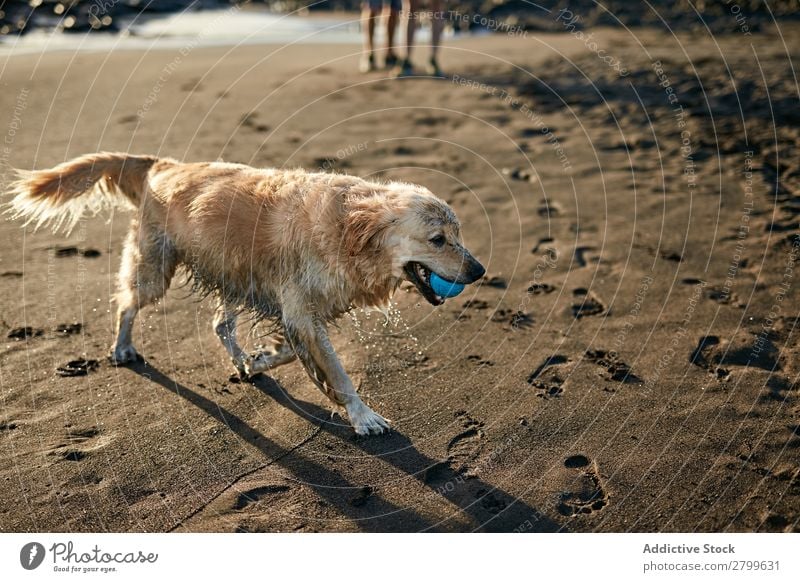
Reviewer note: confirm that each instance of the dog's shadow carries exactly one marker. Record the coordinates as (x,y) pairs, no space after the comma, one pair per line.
(489,508)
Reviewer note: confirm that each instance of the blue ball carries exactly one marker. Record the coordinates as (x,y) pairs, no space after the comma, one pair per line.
(445,288)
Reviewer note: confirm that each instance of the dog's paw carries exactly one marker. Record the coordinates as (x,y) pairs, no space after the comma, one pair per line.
(258,363)
(124,355)
(242,368)
(366,421)
(262,361)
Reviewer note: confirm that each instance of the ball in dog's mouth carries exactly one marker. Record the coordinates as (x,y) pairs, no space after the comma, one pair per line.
(444,288)
(420,276)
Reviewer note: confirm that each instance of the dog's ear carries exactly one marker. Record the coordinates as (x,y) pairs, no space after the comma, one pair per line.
(366,224)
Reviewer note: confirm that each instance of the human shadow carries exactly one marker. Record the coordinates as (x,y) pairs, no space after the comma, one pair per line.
(345,497)
(489,508)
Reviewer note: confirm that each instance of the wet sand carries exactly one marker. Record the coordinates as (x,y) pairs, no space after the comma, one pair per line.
(628,364)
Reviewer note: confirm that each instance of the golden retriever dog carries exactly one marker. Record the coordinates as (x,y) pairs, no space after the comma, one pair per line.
(293,247)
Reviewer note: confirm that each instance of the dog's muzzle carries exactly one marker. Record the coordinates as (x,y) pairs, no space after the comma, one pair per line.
(420,276)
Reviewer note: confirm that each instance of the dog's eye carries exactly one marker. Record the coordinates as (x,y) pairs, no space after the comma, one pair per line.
(438,240)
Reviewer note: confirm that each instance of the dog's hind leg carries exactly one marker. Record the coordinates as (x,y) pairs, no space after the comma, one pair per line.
(225,328)
(149,260)
(311,343)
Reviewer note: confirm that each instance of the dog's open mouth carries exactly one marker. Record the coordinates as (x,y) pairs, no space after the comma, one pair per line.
(420,276)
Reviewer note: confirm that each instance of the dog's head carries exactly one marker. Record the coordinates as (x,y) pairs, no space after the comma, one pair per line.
(419,234)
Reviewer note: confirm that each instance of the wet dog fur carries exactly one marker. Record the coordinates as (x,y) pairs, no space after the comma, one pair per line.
(295,247)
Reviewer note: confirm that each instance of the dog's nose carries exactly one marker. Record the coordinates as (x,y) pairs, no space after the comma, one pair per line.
(477,271)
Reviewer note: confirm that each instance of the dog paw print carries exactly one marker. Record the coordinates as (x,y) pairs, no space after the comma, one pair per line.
(74,447)
(61,252)
(513,318)
(255,495)
(520,174)
(587,304)
(540,289)
(549,209)
(743,351)
(721,295)
(250,121)
(471,305)
(664,254)
(546,244)
(65,329)
(490,501)
(614,369)
(706,356)
(23,333)
(79,367)
(479,361)
(673,256)
(585,492)
(494,281)
(581,256)
(548,378)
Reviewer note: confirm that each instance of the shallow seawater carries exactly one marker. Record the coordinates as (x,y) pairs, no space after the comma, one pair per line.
(192,29)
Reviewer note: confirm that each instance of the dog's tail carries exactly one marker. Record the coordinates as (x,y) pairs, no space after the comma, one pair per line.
(60,195)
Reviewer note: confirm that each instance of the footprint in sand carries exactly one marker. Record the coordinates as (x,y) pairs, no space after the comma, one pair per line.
(546,244)
(494,281)
(700,357)
(249,121)
(70,454)
(65,329)
(719,356)
(191,86)
(73,446)
(479,361)
(721,295)
(520,174)
(490,501)
(614,369)
(665,254)
(588,304)
(584,491)
(514,318)
(673,256)
(431,120)
(540,289)
(23,333)
(70,251)
(580,255)
(549,209)
(256,494)
(464,448)
(79,367)
(549,377)
(478,304)
(715,293)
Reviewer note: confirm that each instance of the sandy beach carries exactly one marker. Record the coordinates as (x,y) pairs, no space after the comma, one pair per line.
(628,364)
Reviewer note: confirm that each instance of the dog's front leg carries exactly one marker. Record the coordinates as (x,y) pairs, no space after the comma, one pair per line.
(309,339)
